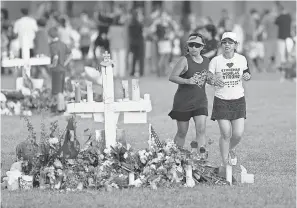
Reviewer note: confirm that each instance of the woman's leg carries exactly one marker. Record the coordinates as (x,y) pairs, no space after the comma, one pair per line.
(226,133)
(200,124)
(237,132)
(134,59)
(182,130)
(141,59)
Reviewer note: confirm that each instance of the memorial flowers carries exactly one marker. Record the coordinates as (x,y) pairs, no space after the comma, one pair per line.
(60,163)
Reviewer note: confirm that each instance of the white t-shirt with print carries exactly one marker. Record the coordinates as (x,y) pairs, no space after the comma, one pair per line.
(231,71)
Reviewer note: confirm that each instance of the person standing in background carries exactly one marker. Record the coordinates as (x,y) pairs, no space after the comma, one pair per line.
(103,24)
(137,42)
(117,36)
(41,41)
(271,57)
(222,22)
(164,32)
(65,33)
(211,47)
(42,48)
(250,49)
(283,22)
(25,28)
(85,35)
(185,32)
(4,46)
(4,31)
(61,57)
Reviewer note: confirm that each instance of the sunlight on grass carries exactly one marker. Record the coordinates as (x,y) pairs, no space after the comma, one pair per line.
(267,150)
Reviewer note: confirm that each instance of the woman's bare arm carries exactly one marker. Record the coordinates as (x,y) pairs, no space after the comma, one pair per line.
(180,68)
(210,53)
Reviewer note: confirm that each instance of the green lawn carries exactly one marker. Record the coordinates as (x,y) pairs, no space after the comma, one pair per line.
(267,150)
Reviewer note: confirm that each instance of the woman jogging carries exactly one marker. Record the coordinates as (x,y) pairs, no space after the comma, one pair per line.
(229,106)
(190,73)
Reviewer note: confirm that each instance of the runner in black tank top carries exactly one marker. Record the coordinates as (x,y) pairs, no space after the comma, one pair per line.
(192,97)
(190,100)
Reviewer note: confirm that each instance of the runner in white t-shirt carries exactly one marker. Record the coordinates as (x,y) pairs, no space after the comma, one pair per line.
(229,107)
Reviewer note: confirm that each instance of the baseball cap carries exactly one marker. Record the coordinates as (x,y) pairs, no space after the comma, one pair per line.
(195,39)
(230,35)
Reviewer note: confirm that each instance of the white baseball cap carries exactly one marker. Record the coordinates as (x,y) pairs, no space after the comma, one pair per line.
(230,35)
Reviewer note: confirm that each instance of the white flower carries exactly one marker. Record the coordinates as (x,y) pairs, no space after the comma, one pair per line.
(106,163)
(114,185)
(137,183)
(155,160)
(10,104)
(160,155)
(153,166)
(53,140)
(141,152)
(125,155)
(128,147)
(143,160)
(58,164)
(107,151)
(29,113)
(101,156)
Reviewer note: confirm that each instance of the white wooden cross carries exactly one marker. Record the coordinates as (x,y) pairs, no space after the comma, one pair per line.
(135,110)
(26,62)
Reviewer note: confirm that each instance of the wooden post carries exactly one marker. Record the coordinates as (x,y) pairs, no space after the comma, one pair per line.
(108,99)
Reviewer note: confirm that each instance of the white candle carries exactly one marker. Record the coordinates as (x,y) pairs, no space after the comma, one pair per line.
(125,85)
(189,177)
(146,97)
(135,90)
(229,173)
(77,93)
(89,91)
(131,178)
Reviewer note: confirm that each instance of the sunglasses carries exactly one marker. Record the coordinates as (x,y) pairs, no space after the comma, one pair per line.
(196,45)
(229,42)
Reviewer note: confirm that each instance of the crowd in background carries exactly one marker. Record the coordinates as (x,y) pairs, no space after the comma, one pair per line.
(141,46)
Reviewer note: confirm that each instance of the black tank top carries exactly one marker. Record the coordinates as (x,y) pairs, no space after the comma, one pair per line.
(192,97)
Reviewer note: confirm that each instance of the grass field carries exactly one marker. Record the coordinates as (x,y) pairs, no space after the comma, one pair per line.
(267,150)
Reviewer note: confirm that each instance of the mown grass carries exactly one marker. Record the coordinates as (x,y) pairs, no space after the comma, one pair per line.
(267,150)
